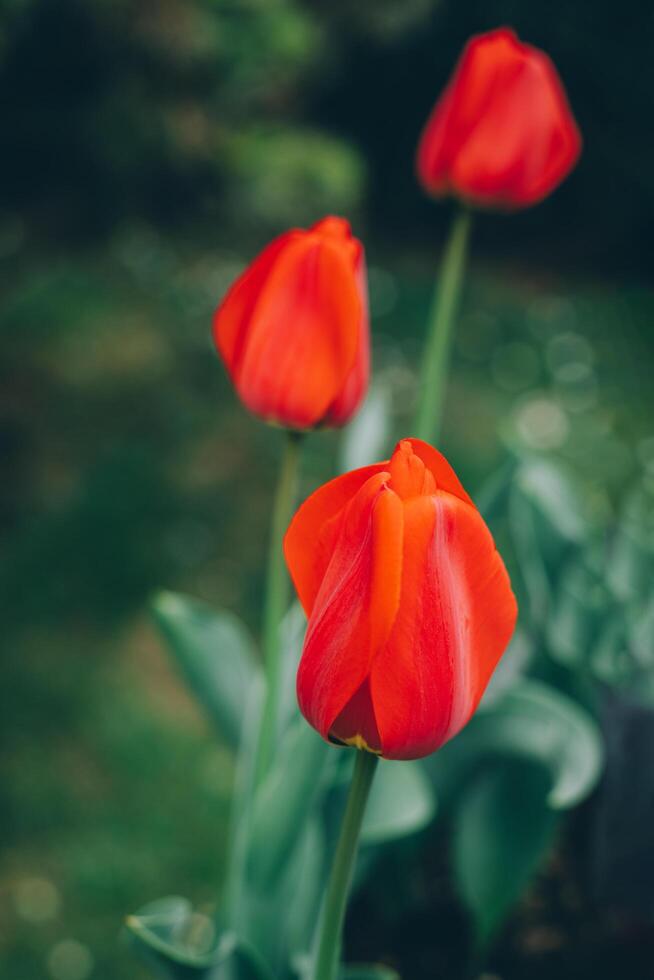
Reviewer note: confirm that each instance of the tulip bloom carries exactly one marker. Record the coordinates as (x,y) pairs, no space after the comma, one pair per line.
(502,134)
(409,604)
(293,329)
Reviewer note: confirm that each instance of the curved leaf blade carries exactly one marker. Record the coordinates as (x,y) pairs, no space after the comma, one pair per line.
(182,945)
(401,802)
(215,655)
(535,722)
(503,829)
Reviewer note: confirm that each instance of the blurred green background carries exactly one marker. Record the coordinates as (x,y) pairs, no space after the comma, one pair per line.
(150,149)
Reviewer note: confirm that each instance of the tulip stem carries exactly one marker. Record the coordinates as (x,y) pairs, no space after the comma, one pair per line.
(333,914)
(438,346)
(276,599)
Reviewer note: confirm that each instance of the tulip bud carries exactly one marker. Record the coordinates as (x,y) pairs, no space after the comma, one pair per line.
(409,604)
(293,329)
(502,133)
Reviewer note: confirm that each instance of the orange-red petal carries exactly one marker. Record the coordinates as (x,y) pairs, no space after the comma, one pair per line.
(502,134)
(311,535)
(351,395)
(231,319)
(303,334)
(456,615)
(445,477)
(356,605)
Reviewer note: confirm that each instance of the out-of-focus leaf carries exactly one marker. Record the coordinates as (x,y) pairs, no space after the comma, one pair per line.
(641,635)
(610,659)
(363,971)
(580,601)
(503,827)
(365,439)
(182,945)
(292,632)
(401,802)
(631,565)
(214,654)
(531,721)
(284,801)
(235,902)
(493,495)
(369,972)
(522,522)
(555,496)
(301,912)
(629,571)
(510,668)
(279,918)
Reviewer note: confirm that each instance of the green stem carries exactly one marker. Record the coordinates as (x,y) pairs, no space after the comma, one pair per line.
(329,945)
(436,359)
(277,596)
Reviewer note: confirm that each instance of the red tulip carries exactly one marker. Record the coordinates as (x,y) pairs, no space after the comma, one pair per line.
(502,133)
(293,329)
(409,604)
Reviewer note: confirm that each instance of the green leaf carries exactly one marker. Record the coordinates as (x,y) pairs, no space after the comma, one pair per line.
(580,601)
(491,498)
(279,918)
(284,801)
(554,496)
(401,802)
(511,667)
(369,972)
(292,630)
(641,634)
(534,722)
(524,532)
(302,910)
(610,659)
(182,944)
(363,971)
(503,829)
(215,655)
(365,439)
(631,566)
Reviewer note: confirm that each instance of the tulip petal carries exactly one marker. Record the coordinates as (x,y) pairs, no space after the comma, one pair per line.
(356,384)
(356,605)
(303,334)
(356,723)
(520,163)
(502,134)
(456,615)
(446,478)
(312,534)
(465,100)
(231,319)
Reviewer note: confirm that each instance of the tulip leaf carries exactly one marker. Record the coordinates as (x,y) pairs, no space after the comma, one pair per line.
(285,800)
(401,802)
(292,630)
(580,602)
(534,722)
(365,439)
(281,917)
(503,828)
(353,971)
(629,571)
(554,496)
(491,498)
(181,944)
(369,972)
(524,529)
(215,655)
(308,884)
